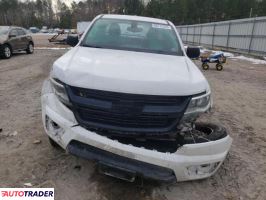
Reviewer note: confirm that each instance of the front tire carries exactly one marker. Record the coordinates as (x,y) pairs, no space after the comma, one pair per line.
(204,132)
(6,51)
(30,48)
(213,132)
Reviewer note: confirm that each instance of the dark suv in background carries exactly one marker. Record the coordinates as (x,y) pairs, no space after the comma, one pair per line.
(14,39)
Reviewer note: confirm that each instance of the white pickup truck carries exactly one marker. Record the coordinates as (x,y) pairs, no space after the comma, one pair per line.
(128,96)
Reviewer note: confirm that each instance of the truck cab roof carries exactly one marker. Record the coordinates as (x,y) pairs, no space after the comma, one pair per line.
(135,18)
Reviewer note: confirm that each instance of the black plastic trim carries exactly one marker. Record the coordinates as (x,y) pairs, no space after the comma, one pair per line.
(127,165)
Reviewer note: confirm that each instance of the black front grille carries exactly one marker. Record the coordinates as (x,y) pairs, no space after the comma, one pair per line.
(126,113)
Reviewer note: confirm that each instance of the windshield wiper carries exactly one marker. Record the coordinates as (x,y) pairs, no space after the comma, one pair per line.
(91,46)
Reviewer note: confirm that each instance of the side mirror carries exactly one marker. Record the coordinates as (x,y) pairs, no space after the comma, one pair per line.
(72,40)
(193,52)
(12,36)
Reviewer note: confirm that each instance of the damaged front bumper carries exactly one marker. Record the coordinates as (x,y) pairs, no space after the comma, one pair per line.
(189,162)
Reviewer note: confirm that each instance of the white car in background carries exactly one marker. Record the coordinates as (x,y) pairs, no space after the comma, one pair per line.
(128,96)
(44,30)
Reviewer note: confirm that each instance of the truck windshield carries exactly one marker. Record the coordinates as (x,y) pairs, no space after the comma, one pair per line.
(3,30)
(133,36)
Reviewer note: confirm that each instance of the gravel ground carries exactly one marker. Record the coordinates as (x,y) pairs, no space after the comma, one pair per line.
(239,100)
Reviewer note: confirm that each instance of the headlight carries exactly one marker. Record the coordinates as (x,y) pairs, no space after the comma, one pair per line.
(199,104)
(60,91)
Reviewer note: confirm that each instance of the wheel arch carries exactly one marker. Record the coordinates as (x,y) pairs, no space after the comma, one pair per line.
(2,46)
(8,44)
(31,42)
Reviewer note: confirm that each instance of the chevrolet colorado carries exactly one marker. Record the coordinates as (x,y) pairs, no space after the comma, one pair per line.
(128,96)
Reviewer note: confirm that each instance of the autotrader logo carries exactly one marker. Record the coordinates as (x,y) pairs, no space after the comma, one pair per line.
(26,193)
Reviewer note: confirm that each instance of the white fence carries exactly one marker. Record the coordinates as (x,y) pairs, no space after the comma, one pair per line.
(243,36)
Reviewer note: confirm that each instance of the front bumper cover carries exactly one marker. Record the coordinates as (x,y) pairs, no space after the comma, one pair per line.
(189,162)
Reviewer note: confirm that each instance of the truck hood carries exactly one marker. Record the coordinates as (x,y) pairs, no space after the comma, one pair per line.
(129,72)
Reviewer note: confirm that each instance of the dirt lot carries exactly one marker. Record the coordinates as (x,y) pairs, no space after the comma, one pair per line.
(240,104)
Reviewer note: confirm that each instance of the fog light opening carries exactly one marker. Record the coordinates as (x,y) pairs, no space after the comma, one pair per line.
(53,127)
(203,169)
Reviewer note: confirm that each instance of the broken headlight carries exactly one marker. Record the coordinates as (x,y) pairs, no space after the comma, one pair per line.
(199,104)
(60,91)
